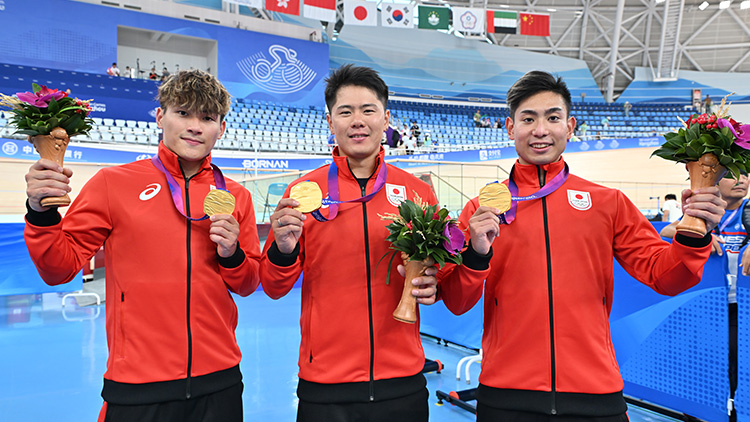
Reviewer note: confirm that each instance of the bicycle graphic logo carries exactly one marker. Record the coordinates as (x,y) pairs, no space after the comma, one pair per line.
(282,74)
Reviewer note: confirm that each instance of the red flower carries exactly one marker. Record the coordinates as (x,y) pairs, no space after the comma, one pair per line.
(409,225)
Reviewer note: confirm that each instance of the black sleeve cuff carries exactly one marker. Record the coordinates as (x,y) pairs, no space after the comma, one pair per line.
(473,260)
(282,259)
(693,242)
(42,219)
(233,261)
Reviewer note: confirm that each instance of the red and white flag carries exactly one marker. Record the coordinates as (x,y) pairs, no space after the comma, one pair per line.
(360,13)
(324,10)
(290,7)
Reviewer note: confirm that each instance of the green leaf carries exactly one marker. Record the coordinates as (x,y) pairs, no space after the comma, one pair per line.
(35,87)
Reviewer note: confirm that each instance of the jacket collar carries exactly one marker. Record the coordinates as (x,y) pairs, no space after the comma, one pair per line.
(172,164)
(343,165)
(528,174)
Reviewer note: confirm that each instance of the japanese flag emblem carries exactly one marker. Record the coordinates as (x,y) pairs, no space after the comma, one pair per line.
(396,194)
(579,200)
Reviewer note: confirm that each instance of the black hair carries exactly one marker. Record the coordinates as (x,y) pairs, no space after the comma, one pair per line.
(670,196)
(350,75)
(533,83)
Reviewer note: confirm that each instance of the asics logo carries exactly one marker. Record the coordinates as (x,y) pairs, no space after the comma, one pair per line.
(150,192)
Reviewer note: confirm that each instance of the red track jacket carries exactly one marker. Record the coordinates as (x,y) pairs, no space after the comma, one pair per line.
(352,349)
(170,316)
(548,294)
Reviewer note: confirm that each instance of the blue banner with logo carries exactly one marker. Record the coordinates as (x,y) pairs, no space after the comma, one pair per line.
(13,148)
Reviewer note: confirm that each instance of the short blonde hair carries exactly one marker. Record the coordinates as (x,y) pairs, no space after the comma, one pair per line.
(195,90)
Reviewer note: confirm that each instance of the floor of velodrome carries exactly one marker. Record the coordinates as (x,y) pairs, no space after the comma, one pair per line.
(52,359)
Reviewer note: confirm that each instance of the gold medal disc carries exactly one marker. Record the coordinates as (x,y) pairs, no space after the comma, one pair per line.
(495,195)
(309,196)
(218,201)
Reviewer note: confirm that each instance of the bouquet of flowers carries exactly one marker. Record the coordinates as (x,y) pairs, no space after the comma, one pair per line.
(424,236)
(40,111)
(709,145)
(49,117)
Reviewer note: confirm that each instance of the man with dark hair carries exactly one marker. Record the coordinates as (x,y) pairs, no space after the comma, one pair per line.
(356,361)
(547,353)
(169,268)
(671,209)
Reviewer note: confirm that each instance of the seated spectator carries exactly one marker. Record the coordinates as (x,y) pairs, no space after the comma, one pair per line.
(152,75)
(128,72)
(498,124)
(113,70)
(164,73)
(410,144)
(486,123)
(605,122)
(583,128)
(415,132)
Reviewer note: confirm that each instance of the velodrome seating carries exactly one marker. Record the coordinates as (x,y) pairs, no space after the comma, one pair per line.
(275,127)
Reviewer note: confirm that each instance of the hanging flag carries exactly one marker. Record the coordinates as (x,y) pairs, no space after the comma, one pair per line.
(501,22)
(290,7)
(324,10)
(258,4)
(532,24)
(358,12)
(431,17)
(468,19)
(396,15)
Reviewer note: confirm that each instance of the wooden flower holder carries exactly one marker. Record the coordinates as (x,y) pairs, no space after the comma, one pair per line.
(52,147)
(704,173)
(406,311)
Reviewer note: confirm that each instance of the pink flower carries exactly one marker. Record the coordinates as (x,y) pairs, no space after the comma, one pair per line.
(455,241)
(42,98)
(740,132)
(409,225)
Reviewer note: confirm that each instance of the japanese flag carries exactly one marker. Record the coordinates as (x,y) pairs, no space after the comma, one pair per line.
(360,13)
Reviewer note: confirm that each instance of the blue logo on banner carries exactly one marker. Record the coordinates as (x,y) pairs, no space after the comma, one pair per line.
(10,148)
(282,74)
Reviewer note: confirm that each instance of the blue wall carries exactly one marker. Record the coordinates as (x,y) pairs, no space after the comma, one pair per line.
(82,37)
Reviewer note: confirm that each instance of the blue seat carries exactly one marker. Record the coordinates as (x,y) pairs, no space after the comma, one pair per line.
(274,190)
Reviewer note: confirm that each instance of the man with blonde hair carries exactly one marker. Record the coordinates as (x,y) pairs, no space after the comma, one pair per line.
(169,268)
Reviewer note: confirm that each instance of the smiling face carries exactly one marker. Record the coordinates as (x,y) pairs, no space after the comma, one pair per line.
(540,128)
(358,119)
(733,191)
(189,134)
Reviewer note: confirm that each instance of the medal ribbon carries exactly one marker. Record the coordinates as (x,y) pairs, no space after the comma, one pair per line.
(547,189)
(174,187)
(333,192)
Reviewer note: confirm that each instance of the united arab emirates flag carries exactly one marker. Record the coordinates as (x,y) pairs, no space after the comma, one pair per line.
(431,17)
(501,22)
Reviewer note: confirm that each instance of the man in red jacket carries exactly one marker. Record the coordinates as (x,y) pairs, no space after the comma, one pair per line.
(548,294)
(170,318)
(356,361)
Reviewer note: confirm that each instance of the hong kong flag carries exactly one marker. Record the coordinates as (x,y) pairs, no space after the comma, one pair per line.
(290,7)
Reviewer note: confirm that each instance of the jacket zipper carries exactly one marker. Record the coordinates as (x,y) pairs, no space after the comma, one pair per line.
(188,392)
(542,181)
(369,296)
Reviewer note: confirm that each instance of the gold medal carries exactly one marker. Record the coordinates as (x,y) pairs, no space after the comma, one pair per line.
(495,195)
(309,196)
(218,201)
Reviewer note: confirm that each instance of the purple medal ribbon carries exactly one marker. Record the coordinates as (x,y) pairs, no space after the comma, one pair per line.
(547,189)
(174,187)
(333,192)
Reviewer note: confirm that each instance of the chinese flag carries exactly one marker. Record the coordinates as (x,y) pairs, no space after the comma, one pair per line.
(290,7)
(532,24)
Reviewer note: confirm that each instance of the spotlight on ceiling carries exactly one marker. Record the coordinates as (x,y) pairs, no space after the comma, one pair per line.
(703,5)
(745,4)
(724,4)
(659,1)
